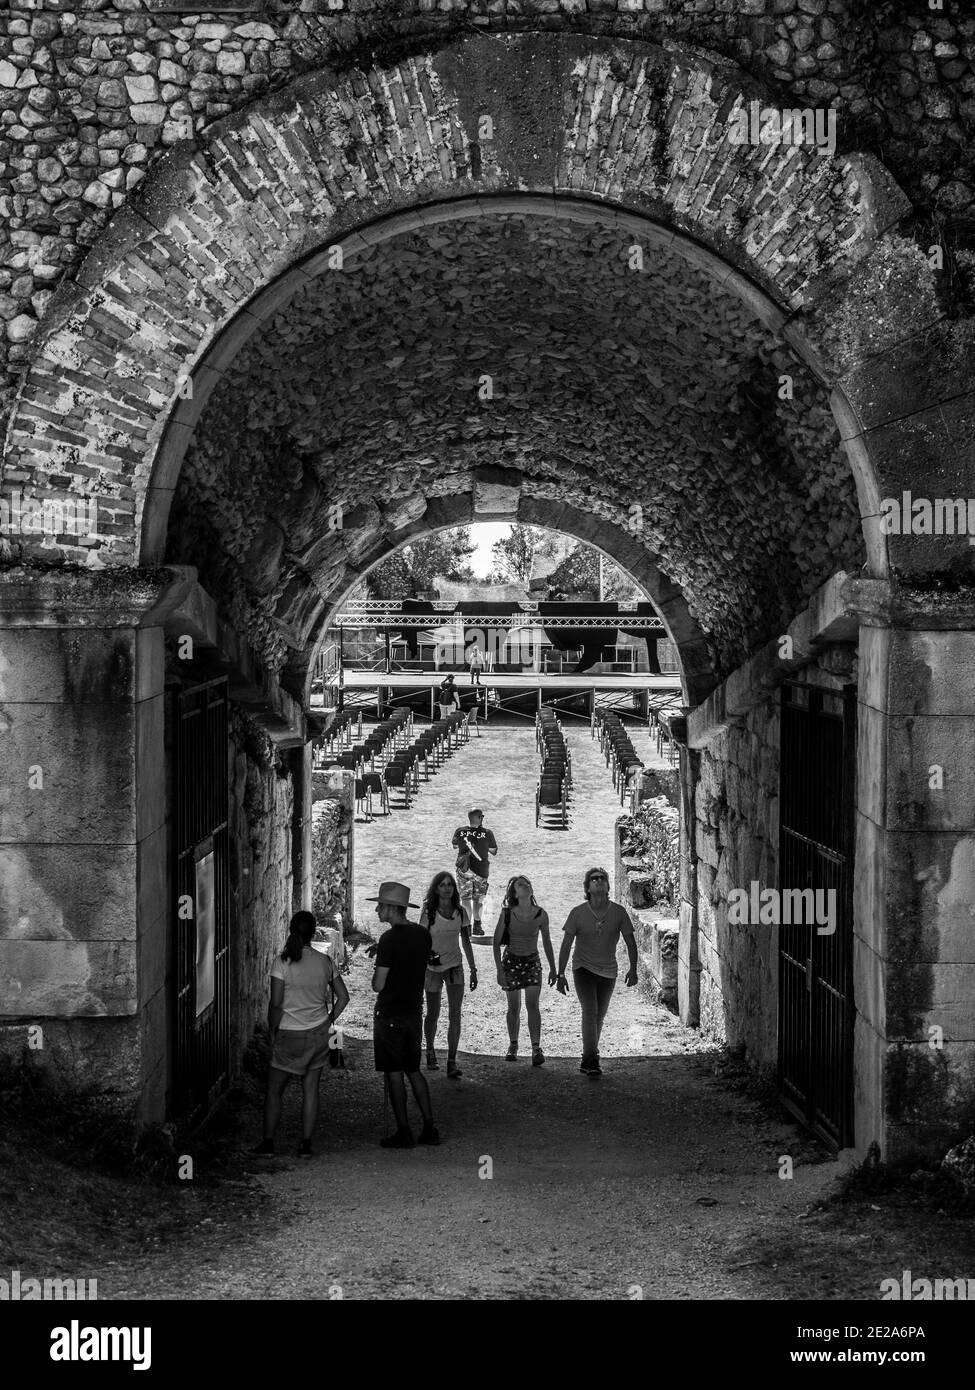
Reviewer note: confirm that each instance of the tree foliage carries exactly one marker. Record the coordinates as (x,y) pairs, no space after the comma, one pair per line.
(515,555)
(576,578)
(413,571)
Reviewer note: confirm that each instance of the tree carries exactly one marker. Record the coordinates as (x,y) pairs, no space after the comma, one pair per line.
(576,579)
(414,570)
(514,556)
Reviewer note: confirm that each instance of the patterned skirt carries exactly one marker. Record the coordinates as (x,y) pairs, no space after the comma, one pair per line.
(521,972)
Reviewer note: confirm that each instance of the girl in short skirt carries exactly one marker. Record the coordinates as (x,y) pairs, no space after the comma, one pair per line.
(522,921)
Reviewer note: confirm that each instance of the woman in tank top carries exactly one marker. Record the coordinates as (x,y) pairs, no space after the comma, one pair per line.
(449,925)
(520,969)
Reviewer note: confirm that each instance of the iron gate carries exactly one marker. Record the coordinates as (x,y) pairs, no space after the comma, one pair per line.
(816,851)
(201,1063)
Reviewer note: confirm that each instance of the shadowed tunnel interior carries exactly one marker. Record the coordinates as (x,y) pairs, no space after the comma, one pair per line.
(645,396)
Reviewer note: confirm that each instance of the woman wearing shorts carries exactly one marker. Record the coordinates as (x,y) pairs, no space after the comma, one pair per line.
(307,996)
(449,925)
(520,969)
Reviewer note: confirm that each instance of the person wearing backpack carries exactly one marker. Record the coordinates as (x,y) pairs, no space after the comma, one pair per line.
(474,844)
(447,696)
(520,923)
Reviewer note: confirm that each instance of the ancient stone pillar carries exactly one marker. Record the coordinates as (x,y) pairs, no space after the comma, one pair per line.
(82,830)
(914,907)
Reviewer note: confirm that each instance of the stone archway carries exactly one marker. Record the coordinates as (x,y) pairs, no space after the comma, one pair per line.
(218,233)
(220,242)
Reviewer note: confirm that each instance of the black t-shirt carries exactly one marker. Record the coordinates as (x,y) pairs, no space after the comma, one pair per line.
(405,949)
(480,841)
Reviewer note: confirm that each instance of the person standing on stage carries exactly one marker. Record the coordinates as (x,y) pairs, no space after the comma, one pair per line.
(474,843)
(447,695)
(594,929)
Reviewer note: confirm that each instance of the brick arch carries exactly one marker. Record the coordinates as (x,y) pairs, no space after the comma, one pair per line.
(696,667)
(220,236)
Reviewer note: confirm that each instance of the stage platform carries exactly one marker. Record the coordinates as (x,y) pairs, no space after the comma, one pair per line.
(517,693)
(525,680)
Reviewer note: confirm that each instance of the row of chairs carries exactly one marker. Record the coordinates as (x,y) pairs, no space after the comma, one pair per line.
(391,758)
(434,745)
(618,752)
(346,726)
(555,773)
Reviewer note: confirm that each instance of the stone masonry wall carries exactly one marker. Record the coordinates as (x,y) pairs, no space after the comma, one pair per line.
(647,884)
(332,847)
(262,806)
(736,833)
(90,99)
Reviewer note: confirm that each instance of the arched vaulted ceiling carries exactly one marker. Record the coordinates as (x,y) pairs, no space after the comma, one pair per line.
(648,398)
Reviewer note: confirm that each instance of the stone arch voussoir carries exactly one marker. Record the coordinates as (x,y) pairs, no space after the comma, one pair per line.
(222,234)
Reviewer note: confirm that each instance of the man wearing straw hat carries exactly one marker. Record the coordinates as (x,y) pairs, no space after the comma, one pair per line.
(402,956)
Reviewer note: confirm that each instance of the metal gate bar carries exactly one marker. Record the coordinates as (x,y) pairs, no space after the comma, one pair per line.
(201,1064)
(816,852)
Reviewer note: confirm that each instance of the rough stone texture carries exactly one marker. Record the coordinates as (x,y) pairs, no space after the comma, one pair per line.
(76,83)
(658,781)
(261,879)
(736,833)
(649,856)
(264,189)
(305,417)
(332,847)
(959,1164)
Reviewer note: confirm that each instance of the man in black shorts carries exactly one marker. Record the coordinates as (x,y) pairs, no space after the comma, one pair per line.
(402,956)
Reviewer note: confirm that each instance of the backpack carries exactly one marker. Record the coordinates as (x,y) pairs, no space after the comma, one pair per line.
(463,860)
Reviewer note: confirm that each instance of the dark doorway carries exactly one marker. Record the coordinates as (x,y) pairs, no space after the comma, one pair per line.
(816,793)
(201,1063)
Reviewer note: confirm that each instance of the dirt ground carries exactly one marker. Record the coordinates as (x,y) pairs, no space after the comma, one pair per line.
(659,1179)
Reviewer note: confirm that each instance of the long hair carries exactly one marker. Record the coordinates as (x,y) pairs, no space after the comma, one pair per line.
(300,932)
(511,897)
(432,899)
(588,877)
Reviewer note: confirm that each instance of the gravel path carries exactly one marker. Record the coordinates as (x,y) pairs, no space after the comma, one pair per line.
(654,1180)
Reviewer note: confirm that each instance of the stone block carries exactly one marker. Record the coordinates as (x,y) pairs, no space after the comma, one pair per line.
(664,947)
(67,979)
(928,1098)
(80,750)
(151,765)
(66,665)
(870,884)
(930,900)
(495,498)
(870,985)
(923,749)
(872,763)
(335,784)
(933,673)
(925,995)
(869,1052)
(67,892)
(154,1023)
(873,676)
(153,956)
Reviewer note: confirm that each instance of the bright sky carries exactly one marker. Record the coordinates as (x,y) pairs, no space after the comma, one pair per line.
(484,534)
